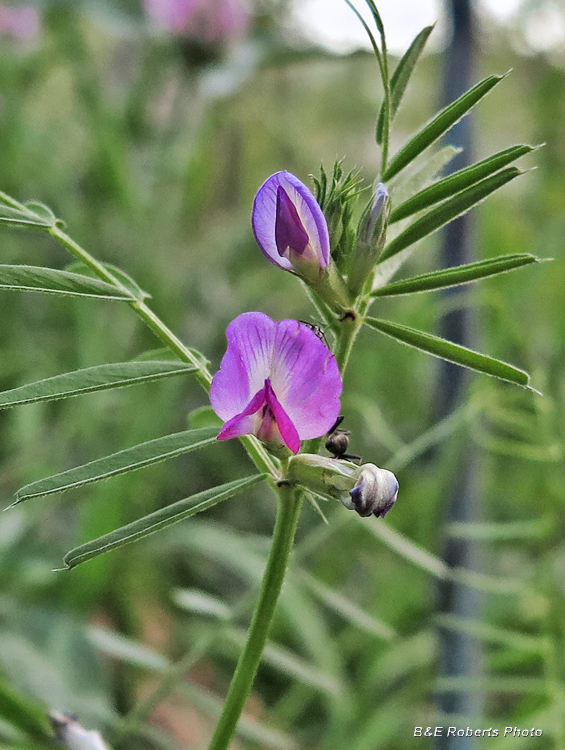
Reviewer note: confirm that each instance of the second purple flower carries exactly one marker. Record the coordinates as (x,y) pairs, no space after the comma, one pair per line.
(289,225)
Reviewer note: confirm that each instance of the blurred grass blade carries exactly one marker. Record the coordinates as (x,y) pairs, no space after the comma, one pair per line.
(449,351)
(458,181)
(449,277)
(401,76)
(497,531)
(448,210)
(158,520)
(441,123)
(346,609)
(100,378)
(493,684)
(491,634)
(23,714)
(118,646)
(121,462)
(252,730)
(52,281)
(290,664)
(406,548)
(202,604)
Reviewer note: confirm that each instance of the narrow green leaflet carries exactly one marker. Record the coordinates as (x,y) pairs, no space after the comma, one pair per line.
(52,281)
(158,520)
(124,278)
(401,76)
(118,463)
(444,349)
(449,277)
(448,210)
(100,378)
(441,123)
(458,181)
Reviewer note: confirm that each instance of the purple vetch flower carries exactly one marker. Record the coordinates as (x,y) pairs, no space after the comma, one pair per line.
(209,21)
(289,225)
(21,22)
(277,381)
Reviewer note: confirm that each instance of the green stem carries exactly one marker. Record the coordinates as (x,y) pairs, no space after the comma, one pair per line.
(289,506)
(254,448)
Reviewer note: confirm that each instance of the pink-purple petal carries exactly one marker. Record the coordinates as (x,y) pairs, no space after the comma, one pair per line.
(245,365)
(306,379)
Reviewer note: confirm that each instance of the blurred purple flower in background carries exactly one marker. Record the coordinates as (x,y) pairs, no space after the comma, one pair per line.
(289,225)
(207,21)
(277,381)
(20,21)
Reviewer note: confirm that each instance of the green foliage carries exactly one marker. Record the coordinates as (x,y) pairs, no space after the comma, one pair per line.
(451,277)
(438,125)
(126,460)
(158,520)
(100,378)
(456,353)
(401,76)
(155,184)
(51,281)
(450,209)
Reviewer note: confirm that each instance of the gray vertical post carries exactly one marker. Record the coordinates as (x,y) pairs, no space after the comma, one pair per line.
(460,655)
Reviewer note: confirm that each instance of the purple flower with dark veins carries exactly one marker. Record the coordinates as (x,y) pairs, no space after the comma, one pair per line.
(277,381)
(289,225)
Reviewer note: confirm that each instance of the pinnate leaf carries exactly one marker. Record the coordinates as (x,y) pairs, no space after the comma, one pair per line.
(449,277)
(440,124)
(53,281)
(448,210)
(118,463)
(100,378)
(449,351)
(158,520)
(401,76)
(458,181)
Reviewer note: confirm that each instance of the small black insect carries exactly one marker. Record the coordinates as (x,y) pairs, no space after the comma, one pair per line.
(338,442)
(317,330)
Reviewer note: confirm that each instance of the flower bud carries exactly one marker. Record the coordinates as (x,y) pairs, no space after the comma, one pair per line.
(328,477)
(371,238)
(375,492)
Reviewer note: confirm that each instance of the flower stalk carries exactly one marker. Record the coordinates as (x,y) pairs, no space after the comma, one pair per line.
(288,512)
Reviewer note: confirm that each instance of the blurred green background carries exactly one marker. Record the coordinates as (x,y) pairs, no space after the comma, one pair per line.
(151,147)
